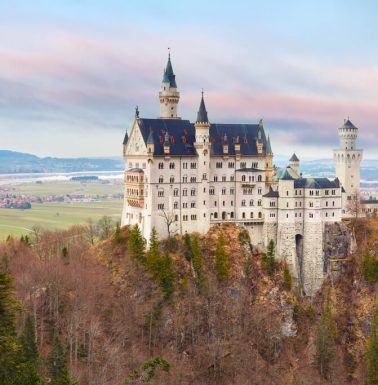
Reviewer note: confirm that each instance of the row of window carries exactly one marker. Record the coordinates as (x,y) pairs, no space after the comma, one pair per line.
(137,165)
(251,178)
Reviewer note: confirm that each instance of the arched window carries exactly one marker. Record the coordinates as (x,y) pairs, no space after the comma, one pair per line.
(161,179)
(243,178)
(260,214)
(251,202)
(259,178)
(172,179)
(251,215)
(243,202)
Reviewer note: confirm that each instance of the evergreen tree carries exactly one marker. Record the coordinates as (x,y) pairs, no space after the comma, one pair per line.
(222,263)
(9,345)
(17,359)
(57,364)
(153,254)
(268,261)
(117,233)
(166,276)
(137,244)
(28,341)
(372,354)
(287,277)
(325,343)
(187,247)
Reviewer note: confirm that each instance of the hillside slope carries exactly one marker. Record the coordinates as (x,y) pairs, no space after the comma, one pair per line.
(244,326)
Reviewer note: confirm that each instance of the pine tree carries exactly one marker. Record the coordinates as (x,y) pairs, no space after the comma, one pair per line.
(187,247)
(137,244)
(153,254)
(325,343)
(57,364)
(287,277)
(268,261)
(28,341)
(372,354)
(222,263)
(9,345)
(17,365)
(166,276)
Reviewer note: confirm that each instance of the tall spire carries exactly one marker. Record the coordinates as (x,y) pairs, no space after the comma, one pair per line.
(268,147)
(169,96)
(169,76)
(202,113)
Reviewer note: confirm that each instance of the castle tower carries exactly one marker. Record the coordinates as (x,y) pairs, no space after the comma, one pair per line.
(348,158)
(202,146)
(168,96)
(294,163)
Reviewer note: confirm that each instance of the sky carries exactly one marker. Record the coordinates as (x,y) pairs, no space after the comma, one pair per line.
(72,71)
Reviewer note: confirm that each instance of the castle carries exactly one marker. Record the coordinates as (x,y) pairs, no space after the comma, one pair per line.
(186,177)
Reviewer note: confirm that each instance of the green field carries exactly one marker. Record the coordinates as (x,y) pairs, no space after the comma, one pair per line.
(62,188)
(59,215)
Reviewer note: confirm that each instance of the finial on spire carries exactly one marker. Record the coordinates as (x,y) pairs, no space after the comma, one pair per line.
(136,112)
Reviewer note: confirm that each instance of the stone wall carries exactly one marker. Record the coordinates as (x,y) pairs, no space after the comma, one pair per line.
(337,245)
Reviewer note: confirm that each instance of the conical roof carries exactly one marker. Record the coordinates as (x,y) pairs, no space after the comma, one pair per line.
(126,139)
(268,147)
(294,158)
(348,124)
(169,76)
(202,113)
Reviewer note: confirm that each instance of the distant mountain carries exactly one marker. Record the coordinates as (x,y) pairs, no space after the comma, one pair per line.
(12,162)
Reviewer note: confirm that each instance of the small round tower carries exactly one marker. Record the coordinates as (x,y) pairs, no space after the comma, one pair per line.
(348,158)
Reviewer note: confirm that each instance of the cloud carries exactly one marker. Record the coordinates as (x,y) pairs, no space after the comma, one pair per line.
(79,81)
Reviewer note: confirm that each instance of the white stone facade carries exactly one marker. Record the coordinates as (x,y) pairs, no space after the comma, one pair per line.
(183,177)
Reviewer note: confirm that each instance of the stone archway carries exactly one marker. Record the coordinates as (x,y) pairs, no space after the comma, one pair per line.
(299,255)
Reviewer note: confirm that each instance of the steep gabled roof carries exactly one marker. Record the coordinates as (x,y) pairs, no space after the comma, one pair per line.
(182,137)
(268,147)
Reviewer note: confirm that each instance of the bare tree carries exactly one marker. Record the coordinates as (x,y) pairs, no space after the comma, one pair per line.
(169,220)
(353,206)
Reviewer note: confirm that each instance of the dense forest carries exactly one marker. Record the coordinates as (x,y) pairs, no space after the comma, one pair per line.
(92,306)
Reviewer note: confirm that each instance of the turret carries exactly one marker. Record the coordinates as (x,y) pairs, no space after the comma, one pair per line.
(202,124)
(348,135)
(348,159)
(294,163)
(168,96)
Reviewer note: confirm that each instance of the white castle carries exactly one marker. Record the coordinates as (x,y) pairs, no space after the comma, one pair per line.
(186,177)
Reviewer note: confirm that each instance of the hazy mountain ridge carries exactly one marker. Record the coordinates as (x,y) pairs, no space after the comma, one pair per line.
(12,162)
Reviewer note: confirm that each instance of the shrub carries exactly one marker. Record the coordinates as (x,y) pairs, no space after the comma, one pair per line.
(370,268)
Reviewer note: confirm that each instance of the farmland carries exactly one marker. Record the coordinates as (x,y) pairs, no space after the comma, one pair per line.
(60,215)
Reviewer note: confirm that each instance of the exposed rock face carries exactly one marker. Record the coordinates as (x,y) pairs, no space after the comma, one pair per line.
(337,245)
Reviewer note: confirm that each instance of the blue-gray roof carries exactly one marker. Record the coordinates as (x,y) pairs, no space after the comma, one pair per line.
(294,158)
(286,175)
(182,137)
(169,76)
(271,194)
(202,113)
(126,139)
(268,147)
(348,124)
(315,183)
(369,202)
